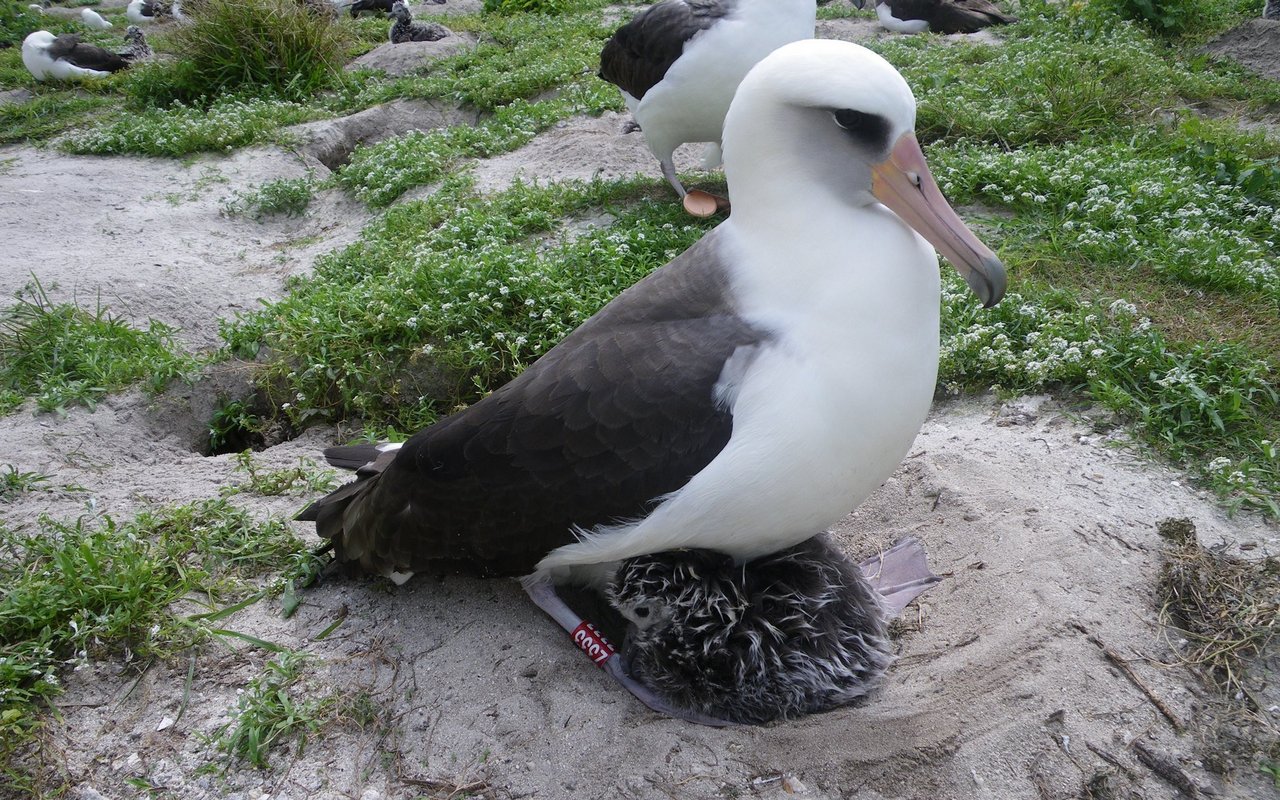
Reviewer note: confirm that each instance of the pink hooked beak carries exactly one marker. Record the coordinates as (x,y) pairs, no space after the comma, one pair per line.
(903,183)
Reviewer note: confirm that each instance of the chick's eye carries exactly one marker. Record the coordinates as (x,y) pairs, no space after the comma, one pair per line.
(642,612)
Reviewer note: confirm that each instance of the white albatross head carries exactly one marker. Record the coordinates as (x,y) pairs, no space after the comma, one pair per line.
(35,54)
(832,120)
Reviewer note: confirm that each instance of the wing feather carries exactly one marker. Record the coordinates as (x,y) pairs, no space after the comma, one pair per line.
(640,52)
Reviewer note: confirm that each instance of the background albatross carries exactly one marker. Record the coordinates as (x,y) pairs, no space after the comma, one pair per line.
(741,398)
(679,62)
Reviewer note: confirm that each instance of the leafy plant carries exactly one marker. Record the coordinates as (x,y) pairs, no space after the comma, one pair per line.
(13,482)
(273,46)
(65,355)
(1169,18)
(268,713)
(233,426)
(524,6)
(287,196)
(306,477)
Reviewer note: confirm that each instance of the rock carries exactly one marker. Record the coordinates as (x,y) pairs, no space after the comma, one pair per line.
(15,97)
(404,59)
(331,141)
(1253,45)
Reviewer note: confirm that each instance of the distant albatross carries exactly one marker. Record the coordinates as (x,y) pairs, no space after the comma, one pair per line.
(679,62)
(94,20)
(740,399)
(940,16)
(143,12)
(64,57)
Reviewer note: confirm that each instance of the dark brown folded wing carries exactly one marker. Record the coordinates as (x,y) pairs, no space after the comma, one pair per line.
(69,48)
(620,413)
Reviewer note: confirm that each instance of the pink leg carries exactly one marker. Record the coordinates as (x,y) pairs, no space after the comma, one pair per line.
(900,574)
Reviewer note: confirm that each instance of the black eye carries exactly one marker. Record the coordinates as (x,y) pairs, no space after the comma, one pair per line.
(642,612)
(871,130)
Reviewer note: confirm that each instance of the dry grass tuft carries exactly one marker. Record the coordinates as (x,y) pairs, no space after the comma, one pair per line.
(1227,608)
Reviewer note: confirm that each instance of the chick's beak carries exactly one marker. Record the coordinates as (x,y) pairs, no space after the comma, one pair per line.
(903,183)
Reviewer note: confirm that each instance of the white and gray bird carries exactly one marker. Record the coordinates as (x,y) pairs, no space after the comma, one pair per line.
(404,29)
(135,45)
(679,62)
(94,20)
(145,12)
(65,57)
(741,399)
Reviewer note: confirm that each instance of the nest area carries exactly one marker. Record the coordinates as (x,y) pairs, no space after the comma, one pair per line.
(1227,608)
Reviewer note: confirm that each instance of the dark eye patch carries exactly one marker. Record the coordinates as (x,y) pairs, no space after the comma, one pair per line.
(870,130)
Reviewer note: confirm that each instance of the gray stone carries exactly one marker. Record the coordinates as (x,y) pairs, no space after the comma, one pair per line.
(1253,45)
(410,57)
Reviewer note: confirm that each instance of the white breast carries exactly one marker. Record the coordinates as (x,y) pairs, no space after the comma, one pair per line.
(822,417)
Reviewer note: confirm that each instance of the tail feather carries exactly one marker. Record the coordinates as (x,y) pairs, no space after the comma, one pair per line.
(355,456)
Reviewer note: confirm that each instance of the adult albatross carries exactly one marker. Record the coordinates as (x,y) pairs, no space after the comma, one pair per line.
(940,16)
(679,62)
(65,57)
(741,398)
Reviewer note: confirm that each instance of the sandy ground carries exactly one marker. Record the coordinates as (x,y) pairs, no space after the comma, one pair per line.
(1042,529)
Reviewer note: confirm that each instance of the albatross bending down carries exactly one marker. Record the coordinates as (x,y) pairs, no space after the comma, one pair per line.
(64,57)
(94,20)
(679,62)
(741,398)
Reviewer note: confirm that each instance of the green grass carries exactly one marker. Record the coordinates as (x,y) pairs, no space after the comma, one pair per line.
(228,122)
(83,590)
(274,47)
(271,712)
(1034,89)
(1212,408)
(378,174)
(1152,202)
(445,299)
(64,355)
(14,482)
(307,477)
(282,196)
